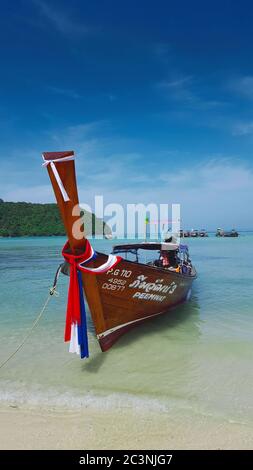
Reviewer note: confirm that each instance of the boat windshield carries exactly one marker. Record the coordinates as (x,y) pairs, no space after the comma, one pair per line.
(161,255)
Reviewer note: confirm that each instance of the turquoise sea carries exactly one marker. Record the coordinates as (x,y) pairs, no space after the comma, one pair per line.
(197,359)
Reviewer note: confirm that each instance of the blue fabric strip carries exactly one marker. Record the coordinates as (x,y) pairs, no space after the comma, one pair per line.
(93,257)
(82,328)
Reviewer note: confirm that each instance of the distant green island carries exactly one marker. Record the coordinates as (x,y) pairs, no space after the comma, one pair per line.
(25,219)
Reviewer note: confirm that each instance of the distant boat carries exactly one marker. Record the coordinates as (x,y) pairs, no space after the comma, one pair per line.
(121,293)
(203,233)
(194,233)
(184,234)
(221,233)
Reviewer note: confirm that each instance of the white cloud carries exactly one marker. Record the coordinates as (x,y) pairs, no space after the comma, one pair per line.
(178,88)
(211,195)
(60,19)
(243,86)
(187,91)
(35,193)
(64,92)
(178,83)
(79,134)
(242,128)
(215,192)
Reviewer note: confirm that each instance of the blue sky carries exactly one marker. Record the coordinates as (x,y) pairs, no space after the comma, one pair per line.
(156,98)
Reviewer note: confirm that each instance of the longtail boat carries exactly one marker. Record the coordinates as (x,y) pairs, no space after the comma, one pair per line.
(121,293)
(221,233)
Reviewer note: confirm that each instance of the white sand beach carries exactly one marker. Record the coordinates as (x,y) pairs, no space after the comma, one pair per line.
(23,428)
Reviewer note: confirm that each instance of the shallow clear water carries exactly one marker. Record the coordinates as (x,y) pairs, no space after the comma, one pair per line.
(197,358)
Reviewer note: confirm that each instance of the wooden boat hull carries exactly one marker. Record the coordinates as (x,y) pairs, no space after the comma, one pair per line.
(129,294)
(126,295)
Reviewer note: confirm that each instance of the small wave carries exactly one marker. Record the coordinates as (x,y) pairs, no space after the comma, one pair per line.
(53,399)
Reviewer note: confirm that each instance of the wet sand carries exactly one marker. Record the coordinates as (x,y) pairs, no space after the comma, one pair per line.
(23,428)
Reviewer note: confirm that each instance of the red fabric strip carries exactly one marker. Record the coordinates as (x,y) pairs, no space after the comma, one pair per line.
(73,314)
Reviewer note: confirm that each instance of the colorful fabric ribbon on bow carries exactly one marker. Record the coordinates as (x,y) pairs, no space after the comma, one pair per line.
(76,322)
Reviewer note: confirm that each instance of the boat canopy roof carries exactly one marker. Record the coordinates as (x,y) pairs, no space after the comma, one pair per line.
(164,246)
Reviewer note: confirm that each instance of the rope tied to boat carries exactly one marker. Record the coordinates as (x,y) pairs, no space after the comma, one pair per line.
(52,292)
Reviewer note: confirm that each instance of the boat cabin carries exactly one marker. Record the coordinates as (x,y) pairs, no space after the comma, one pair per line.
(165,255)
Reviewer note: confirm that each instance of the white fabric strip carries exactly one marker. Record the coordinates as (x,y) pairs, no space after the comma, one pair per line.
(56,174)
(91,255)
(112,259)
(74,346)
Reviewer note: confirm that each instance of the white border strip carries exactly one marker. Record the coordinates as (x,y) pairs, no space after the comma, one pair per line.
(108,332)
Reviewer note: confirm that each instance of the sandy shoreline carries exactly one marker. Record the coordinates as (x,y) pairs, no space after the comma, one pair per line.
(23,428)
